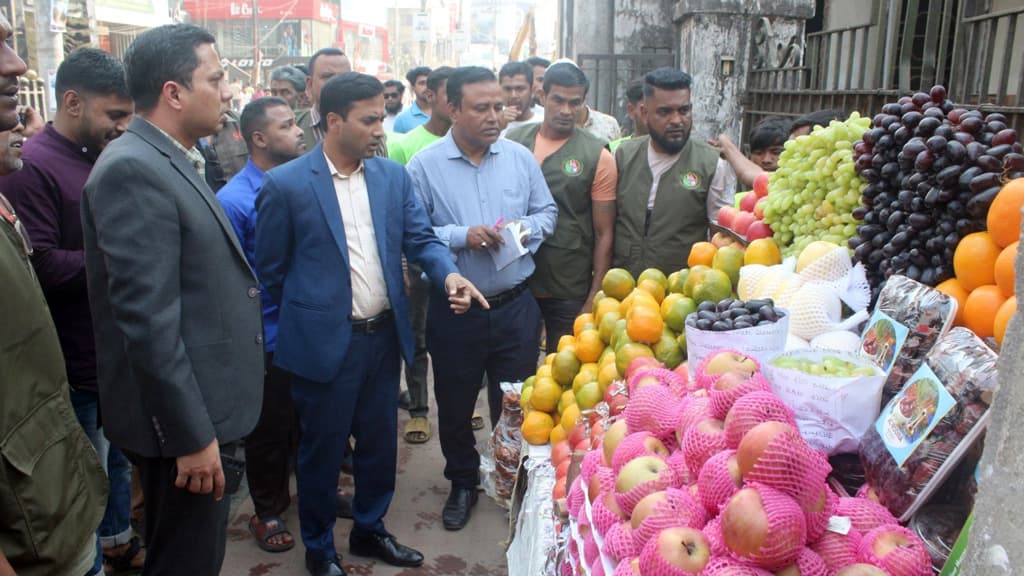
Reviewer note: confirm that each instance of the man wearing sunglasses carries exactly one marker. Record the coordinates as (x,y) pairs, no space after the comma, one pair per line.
(393,91)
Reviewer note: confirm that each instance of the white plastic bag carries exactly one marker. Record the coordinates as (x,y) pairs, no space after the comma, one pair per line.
(833,413)
(759,342)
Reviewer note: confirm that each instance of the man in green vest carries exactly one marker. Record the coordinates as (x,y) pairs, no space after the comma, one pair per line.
(670,185)
(582,177)
(52,487)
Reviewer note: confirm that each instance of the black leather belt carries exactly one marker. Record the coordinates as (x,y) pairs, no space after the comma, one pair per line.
(373,324)
(505,297)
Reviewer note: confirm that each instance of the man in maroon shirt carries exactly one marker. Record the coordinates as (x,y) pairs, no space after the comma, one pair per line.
(93,108)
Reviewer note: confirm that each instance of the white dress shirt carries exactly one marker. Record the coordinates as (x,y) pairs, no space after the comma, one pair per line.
(369,291)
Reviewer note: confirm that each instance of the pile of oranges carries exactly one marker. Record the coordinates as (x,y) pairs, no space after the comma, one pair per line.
(984,267)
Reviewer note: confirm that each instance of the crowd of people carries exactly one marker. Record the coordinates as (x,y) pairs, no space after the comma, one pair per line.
(202,292)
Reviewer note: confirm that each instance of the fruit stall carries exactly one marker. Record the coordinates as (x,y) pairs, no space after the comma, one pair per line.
(810,395)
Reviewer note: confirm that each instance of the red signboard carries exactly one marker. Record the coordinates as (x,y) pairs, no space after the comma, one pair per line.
(321,10)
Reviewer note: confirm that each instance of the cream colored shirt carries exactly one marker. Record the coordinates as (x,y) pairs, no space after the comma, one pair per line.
(369,292)
(721,191)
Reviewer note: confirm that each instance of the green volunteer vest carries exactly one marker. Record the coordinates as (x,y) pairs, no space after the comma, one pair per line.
(679,218)
(565,261)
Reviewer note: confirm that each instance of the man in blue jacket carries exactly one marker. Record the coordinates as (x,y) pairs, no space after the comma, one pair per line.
(331,229)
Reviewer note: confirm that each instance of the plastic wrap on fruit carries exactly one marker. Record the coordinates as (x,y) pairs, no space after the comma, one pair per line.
(928,314)
(506,442)
(966,370)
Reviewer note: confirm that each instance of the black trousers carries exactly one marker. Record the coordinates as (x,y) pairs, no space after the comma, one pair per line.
(271,447)
(185,532)
(500,343)
(559,315)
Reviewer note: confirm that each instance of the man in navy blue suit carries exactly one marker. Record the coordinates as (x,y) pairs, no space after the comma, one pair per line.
(331,229)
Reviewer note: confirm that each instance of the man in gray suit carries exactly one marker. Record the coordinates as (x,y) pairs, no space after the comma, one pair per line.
(176,307)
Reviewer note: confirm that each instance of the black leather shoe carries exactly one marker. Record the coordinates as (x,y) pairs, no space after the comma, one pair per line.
(404,400)
(384,547)
(458,507)
(317,567)
(344,505)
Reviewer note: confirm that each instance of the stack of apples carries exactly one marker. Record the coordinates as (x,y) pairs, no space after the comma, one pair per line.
(748,220)
(731,488)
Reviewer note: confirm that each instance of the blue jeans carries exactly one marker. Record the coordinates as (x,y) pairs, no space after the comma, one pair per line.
(116,528)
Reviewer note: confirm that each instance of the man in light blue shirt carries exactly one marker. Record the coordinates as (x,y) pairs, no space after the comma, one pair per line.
(473,186)
(273,138)
(415,115)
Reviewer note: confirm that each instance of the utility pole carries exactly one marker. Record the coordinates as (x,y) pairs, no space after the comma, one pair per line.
(255,79)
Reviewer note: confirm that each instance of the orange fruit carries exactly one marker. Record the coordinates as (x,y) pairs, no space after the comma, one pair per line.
(1003,316)
(679,309)
(524,398)
(956,291)
(589,346)
(588,373)
(537,428)
(567,399)
(618,283)
(570,415)
(581,321)
(626,353)
(1004,214)
(637,297)
(607,325)
(696,276)
(549,359)
(565,367)
(729,259)
(545,396)
(558,434)
(545,370)
(652,287)
(566,341)
(701,254)
(980,310)
(762,251)
(653,274)
(608,374)
(644,324)
(677,280)
(974,260)
(1005,273)
(604,306)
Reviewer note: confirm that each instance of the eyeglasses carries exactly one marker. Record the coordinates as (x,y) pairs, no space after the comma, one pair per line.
(390,95)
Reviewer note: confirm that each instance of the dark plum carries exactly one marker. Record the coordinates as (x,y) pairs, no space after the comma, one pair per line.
(938,94)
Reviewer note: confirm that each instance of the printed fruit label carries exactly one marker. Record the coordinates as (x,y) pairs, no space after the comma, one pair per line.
(882,340)
(912,414)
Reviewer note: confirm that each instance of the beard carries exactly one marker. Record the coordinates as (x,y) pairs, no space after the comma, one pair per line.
(393,108)
(670,146)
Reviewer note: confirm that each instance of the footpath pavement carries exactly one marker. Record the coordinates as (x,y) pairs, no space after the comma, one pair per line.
(414,518)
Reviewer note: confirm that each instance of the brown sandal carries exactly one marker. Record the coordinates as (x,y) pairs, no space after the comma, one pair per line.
(124,563)
(266,529)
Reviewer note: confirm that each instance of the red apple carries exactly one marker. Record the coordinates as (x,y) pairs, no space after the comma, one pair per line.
(748,202)
(596,433)
(578,433)
(641,363)
(727,361)
(757,230)
(615,433)
(896,550)
(861,570)
(757,440)
(562,470)
(617,405)
(749,533)
(683,371)
(638,471)
(761,185)
(616,388)
(726,215)
(730,380)
(684,549)
(559,452)
(558,492)
(742,222)
(759,210)
(583,445)
(645,507)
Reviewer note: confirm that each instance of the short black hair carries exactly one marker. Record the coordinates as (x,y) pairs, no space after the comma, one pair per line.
(160,55)
(291,75)
(329,51)
(538,61)
(395,84)
(769,132)
(438,76)
(567,75)
(511,69)
(635,91)
(412,75)
(666,78)
(342,91)
(91,72)
(466,75)
(254,116)
(819,118)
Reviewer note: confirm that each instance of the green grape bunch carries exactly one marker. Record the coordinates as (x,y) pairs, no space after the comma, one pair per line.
(813,193)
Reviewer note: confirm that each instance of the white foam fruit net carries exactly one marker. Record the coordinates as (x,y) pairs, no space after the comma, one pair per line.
(753,409)
(715,484)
